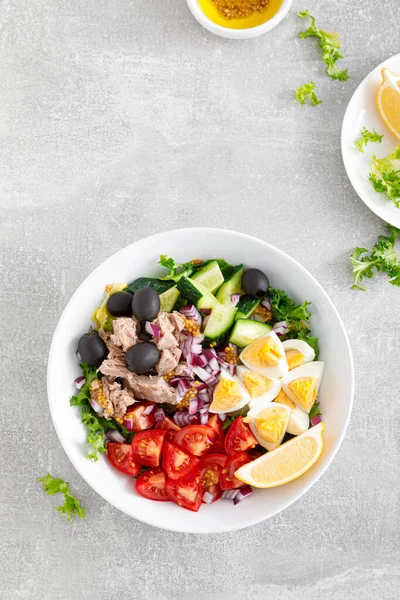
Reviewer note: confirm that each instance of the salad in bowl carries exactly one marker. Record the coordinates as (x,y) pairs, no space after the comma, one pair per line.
(202,383)
(205,400)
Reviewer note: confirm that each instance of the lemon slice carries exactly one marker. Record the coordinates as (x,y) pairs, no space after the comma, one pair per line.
(286,463)
(388,101)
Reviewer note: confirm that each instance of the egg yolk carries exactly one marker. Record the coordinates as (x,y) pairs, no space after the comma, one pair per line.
(294,359)
(270,425)
(226,395)
(263,353)
(304,391)
(256,384)
(283,399)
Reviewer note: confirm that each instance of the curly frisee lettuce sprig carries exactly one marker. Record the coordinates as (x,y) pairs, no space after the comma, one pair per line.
(71,504)
(366,137)
(329,43)
(382,258)
(307,90)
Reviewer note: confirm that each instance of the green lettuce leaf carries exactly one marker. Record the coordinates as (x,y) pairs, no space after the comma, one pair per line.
(71,504)
(383,258)
(307,90)
(366,137)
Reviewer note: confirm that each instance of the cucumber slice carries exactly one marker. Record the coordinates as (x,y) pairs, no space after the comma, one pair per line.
(196,293)
(210,276)
(220,321)
(246,331)
(231,286)
(246,306)
(157,284)
(168,299)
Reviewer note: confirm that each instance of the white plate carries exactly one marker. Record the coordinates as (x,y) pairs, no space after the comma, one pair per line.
(141,259)
(362,112)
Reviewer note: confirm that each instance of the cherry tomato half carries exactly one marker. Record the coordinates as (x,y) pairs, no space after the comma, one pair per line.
(176,462)
(196,439)
(170,427)
(187,491)
(228,479)
(147,447)
(239,438)
(136,420)
(151,484)
(213,465)
(120,456)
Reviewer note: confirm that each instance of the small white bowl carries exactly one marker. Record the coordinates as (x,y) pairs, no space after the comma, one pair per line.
(140,259)
(238,34)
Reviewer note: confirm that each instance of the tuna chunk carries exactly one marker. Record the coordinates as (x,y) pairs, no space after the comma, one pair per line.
(169,360)
(171,325)
(120,398)
(183,370)
(114,351)
(126,331)
(154,389)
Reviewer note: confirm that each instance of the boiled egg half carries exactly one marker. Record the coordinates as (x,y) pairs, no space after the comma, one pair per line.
(259,387)
(302,384)
(298,353)
(266,356)
(268,421)
(229,394)
(299,419)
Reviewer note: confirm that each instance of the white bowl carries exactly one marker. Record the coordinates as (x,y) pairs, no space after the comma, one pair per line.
(141,259)
(238,34)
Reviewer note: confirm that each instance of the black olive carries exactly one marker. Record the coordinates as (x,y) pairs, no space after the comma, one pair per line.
(120,304)
(92,349)
(142,358)
(255,283)
(146,304)
(144,336)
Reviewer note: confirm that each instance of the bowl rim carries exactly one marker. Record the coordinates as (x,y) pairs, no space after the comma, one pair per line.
(247,522)
(238,34)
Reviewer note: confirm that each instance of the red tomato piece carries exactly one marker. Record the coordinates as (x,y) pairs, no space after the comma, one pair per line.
(196,439)
(120,456)
(147,447)
(215,422)
(187,491)
(239,438)
(228,479)
(176,462)
(170,427)
(151,484)
(136,420)
(213,465)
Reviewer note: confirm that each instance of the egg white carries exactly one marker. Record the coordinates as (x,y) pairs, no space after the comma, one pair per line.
(278,371)
(252,414)
(302,347)
(245,396)
(269,396)
(312,369)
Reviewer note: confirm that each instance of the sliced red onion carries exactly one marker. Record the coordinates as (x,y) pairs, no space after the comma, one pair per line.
(202,374)
(196,348)
(235,299)
(210,353)
(192,345)
(183,418)
(78,355)
(149,409)
(193,406)
(280,328)
(116,436)
(214,364)
(200,402)
(174,381)
(183,387)
(199,386)
(152,329)
(315,420)
(200,361)
(244,491)
(204,418)
(232,369)
(159,415)
(190,312)
(80,382)
(222,360)
(230,494)
(205,311)
(96,407)
(267,304)
(222,416)
(208,497)
(191,359)
(128,423)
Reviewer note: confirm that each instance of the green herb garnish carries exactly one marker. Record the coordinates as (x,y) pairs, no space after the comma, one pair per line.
(385,175)
(382,258)
(329,44)
(366,137)
(307,90)
(315,411)
(71,504)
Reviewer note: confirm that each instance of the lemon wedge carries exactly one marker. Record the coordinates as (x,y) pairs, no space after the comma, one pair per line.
(286,463)
(388,101)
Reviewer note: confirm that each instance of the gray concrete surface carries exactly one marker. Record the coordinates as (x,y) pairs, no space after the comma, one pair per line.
(122,118)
